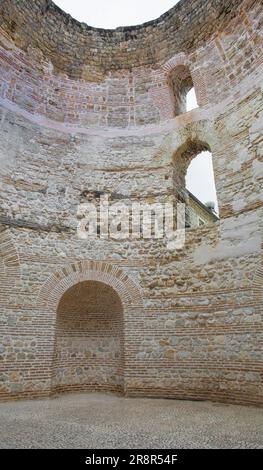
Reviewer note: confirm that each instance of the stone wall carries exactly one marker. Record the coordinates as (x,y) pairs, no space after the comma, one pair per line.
(88,53)
(131,96)
(72,126)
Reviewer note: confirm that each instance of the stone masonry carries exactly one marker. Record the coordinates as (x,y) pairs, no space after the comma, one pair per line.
(86,112)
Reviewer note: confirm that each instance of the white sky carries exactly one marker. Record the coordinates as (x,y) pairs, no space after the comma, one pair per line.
(200,179)
(114,13)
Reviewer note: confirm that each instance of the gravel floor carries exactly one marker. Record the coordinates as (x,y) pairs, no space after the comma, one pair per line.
(96,421)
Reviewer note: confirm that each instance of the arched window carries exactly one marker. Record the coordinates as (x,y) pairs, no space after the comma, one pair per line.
(200,184)
(181,84)
(194,183)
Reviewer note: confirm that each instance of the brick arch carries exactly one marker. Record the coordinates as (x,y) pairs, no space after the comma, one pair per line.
(201,132)
(59,282)
(175,61)
(198,75)
(185,145)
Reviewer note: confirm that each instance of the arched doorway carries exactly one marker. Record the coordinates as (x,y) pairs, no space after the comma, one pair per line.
(89,349)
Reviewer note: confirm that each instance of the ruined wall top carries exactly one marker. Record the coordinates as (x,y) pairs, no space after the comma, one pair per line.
(72,46)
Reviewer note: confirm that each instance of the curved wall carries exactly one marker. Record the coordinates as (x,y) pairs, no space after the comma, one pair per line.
(75,48)
(86,111)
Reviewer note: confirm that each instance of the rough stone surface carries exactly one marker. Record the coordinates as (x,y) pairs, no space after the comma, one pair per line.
(86,112)
(98,421)
(85,52)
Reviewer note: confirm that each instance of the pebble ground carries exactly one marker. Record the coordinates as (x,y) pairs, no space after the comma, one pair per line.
(96,421)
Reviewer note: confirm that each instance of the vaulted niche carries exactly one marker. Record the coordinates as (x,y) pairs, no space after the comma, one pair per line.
(182,90)
(88,351)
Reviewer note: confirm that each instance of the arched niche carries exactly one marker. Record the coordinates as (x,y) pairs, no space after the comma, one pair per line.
(89,339)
